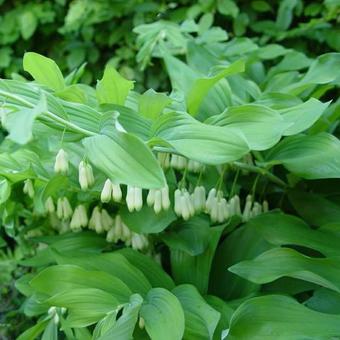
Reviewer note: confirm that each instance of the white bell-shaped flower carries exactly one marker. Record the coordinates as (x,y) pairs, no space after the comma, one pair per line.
(246,214)
(106,220)
(67,209)
(116,192)
(28,188)
(49,205)
(164,159)
(106,193)
(61,162)
(95,222)
(86,178)
(265,206)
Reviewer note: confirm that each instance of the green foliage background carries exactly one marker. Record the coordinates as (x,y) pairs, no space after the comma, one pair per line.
(269,69)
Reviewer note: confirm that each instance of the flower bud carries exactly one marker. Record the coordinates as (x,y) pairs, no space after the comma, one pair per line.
(141,323)
(61,162)
(211,198)
(185,208)
(105,195)
(28,188)
(95,222)
(82,215)
(86,178)
(116,192)
(75,224)
(178,207)
(49,205)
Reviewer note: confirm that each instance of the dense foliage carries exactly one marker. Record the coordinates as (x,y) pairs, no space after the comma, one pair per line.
(199,201)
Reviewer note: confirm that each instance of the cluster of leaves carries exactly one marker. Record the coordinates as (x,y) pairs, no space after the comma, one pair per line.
(100,32)
(261,117)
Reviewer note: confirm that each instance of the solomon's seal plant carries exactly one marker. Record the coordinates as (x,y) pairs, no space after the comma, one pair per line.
(152,220)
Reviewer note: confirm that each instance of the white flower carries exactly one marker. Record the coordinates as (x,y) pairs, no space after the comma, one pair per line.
(159,199)
(134,198)
(95,222)
(60,212)
(198,197)
(28,188)
(194,166)
(116,192)
(265,206)
(211,198)
(61,162)
(49,205)
(257,209)
(106,193)
(184,205)
(247,209)
(82,215)
(67,209)
(165,198)
(178,162)
(75,224)
(150,199)
(139,242)
(86,178)
(106,220)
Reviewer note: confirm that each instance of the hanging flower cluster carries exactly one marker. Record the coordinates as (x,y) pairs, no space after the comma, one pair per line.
(177,162)
(159,199)
(64,209)
(184,205)
(61,162)
(79,219)
(134,198)
(111,191)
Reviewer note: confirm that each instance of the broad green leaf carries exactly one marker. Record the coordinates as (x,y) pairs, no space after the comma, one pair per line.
(303,116)
(44,70)
(314,208)
(19,123)
(250,119)
(113,88)
(163,315)
(125,159)
(201,86)
(151,104)
(279,262)
(85,305)
(280,229)
(200,318)
(146,221)
(202,142)
(72,93)
(244,243)
(56,279)
(310,157)
(324,300)
(281,317)
(191,237)
(195,269)
(149,267)
(28,23)
(114,264)
(123,328)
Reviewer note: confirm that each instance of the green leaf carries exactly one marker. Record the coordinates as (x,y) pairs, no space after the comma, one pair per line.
(244,243)
(151,104)
(20,122)
(250,119)
(34,331)
(5,190)
(55,279)
(314,208)
(325,301)
(113,88)
(125,159)
(281,317)
(202,142)
(44,70)
(123,328)
(149,267)
(51,331)
(303,116)
(146,221)
(163,315)
(200,318)
(310,157)
(279,262)
(28,23)
(280,229)
(195,269)
(191,237)
(85,305)
(201,86)
(72,93)
(114,264)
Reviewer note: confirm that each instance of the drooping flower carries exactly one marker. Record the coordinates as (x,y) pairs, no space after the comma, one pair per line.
(134,198)
(49,205)
(106,193)
(28,188)
(86,178)
(61,162)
